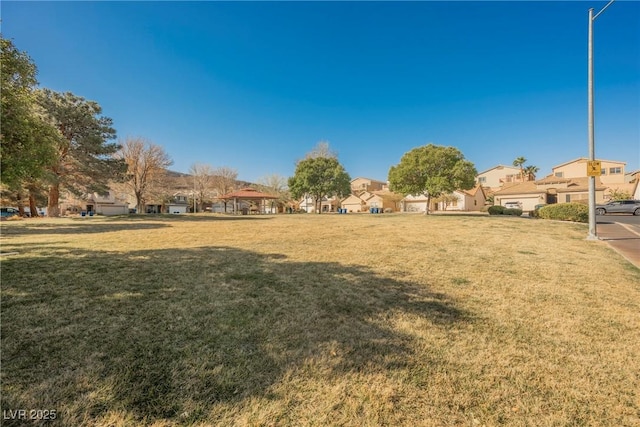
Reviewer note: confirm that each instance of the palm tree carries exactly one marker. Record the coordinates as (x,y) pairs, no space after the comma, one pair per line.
(519,162)
(531,171)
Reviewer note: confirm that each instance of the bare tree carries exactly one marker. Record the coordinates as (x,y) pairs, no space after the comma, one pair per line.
(322,150)
(146,167)
(276,185)
(224,181)
(203,181)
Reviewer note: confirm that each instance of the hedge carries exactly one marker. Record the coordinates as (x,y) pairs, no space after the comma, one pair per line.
(514,212)
(496,210)
(575,212)
(501,210)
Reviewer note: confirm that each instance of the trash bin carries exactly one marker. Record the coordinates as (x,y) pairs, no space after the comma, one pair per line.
(83,213)
(90,213)
(245,211)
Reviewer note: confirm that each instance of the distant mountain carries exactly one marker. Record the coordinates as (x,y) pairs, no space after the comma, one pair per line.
(174,174)
(182,181)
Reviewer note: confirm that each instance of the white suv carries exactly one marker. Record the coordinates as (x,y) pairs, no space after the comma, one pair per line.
(512,205)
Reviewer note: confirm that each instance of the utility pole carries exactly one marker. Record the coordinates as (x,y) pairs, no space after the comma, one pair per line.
(593,234)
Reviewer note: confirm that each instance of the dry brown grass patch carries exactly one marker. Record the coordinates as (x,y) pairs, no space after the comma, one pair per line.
(318,320)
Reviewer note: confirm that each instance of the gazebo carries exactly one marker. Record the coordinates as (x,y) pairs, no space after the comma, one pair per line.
(250,195)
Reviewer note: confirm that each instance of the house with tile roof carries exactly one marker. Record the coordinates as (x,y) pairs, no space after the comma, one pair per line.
(353,203)
(612,170)
(385,200)
(367,184)
(551,189)
(496,177)
(467,200)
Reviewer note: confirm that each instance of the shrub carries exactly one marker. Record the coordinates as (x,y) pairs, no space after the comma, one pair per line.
(576,212)
(514,212)
(496,210)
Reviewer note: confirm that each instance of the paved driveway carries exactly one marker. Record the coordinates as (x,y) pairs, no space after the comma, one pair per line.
(622,233)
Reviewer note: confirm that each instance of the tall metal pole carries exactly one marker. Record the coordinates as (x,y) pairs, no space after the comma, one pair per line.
(195,186)
(593,234)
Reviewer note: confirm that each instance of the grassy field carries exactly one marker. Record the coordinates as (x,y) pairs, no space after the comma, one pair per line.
(354,320)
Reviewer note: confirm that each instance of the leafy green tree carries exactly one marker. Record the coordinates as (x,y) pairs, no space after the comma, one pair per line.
(432,170)
(84,160)
(26,139)
(618,194)
(319,177)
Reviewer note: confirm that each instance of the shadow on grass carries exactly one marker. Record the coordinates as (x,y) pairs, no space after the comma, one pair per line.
(76,227)
(188,217)
(164,335)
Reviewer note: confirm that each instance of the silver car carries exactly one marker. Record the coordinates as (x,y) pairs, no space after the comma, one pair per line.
(619,206)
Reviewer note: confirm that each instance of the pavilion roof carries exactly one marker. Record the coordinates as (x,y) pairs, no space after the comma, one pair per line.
(248,193)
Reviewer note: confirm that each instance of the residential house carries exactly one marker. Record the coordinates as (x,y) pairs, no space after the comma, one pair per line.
(633,178)
(179,203)
(327,204)
(106,204)
(414,203)
(612,171)
(548,190)
(612,176)
(494,178)
(383,199)
(467,200)
(353,203)
(366,184)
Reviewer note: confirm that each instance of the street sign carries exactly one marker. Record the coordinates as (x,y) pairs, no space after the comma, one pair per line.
(594,168)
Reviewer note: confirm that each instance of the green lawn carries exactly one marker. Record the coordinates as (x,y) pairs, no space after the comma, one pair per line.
(318,320)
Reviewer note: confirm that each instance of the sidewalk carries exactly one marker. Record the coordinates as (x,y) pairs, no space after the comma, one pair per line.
(622,239)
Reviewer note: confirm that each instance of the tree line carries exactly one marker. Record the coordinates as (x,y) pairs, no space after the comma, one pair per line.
(52,141)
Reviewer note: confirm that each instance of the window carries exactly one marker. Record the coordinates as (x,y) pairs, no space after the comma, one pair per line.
(615,171)
(568,198)
(482,179)
(559,174)
(603,171)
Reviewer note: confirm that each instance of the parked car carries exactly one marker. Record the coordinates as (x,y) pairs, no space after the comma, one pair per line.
(619,206)
(513,205)
(8,212)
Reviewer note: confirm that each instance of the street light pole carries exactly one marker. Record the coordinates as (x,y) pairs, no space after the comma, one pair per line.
(593,235)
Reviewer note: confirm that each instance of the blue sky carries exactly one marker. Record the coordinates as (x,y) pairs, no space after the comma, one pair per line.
(255,85)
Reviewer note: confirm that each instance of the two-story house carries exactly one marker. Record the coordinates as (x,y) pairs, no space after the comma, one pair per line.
(493,179)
